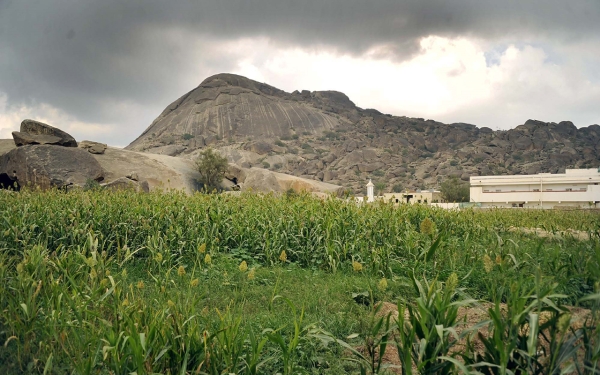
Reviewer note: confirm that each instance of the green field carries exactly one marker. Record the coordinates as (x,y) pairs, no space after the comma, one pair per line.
(118,282)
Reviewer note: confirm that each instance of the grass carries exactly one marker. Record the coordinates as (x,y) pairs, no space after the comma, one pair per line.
(120,282)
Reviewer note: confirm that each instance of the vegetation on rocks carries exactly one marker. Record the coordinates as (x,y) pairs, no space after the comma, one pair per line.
(119,282)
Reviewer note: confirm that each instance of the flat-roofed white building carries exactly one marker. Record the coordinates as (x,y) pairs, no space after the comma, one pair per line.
(575,188)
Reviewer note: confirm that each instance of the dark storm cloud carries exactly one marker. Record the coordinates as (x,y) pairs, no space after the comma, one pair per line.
(86,56)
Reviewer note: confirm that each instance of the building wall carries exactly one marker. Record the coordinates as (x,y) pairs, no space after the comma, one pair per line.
(415,197)
(575,188)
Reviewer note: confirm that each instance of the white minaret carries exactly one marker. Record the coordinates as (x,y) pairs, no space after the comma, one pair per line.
(370,188)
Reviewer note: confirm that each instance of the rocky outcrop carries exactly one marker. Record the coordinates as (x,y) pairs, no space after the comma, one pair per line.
(322,136)
(93,147)
(47,166)
(35,132)
(261,180)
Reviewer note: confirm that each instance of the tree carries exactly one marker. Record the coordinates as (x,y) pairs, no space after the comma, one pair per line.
(397,188)
(380,187)
(455,190)
(212,168)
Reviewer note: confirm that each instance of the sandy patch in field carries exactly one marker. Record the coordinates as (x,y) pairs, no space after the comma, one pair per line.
(576,234)
(468,318)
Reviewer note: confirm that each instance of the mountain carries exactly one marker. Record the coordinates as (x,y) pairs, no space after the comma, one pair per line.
(323,135)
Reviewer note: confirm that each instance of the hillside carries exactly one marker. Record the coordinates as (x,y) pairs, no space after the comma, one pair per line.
(322,135)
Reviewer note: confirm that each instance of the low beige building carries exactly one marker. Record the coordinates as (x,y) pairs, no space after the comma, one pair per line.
(418,196)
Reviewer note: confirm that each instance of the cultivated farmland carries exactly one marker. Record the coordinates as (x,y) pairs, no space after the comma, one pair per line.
(97,282)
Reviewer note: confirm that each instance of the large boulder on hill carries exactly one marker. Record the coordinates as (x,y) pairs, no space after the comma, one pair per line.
(35,132)
(47,166)
(93,147)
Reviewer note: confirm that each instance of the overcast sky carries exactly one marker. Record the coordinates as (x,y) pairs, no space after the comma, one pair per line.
(103,70)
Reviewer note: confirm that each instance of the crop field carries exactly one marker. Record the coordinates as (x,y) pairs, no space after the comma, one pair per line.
(97,282)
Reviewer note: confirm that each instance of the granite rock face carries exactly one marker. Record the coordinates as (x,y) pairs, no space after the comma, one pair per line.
(228,106)
(47,166)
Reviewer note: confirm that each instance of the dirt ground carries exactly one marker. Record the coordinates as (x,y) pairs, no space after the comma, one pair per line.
(578,235)
(471,316)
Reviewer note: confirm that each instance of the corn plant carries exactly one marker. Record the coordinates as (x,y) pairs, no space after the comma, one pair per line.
(429,333)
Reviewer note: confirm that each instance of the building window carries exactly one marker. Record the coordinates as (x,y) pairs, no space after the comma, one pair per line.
(548,189)
(569,189)
(498,190)
(536,190)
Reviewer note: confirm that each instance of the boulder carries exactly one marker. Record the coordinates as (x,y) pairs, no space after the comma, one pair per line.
(133,176)
(329,175)
(369,154)
(370,167)
(522,143)
(329,158)
(22,139)
(258,180)
(47,166)
(565,129)
(33,127)
(533,169)
(125,183)
(431,145)
(235,172)
(93,147)
(259,147)
(568,150)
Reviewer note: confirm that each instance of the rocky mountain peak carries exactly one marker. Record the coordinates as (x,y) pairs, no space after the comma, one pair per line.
(322,135)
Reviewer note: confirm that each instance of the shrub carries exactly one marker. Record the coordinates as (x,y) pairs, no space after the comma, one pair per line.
(211,166)
(91,185)
(187,136)
(455,190)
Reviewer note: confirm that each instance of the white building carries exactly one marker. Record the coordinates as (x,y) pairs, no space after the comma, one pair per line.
(575,188)
(370,191)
